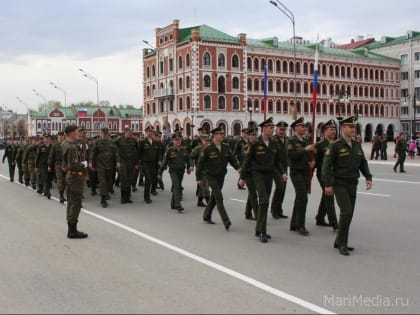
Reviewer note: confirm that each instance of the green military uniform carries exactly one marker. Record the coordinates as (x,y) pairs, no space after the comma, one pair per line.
(326,205)
(176,159)
(213,163)
(72,164)
(251,207)
(401,150)
(299,174)
(19,161)
(127,149)
(239,149)
(30,156)
(341,169)
(149,157)
(202,191)
(25,164)
(262,160)
(55,163)
(278,196)
(41,164)
(10,153)
(104,159)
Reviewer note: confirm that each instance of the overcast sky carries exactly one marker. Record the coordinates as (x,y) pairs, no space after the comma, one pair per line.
(49,40)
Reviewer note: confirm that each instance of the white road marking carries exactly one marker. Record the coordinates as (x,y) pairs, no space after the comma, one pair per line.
(395,181)
(370,194)
(211,264)
(238,200)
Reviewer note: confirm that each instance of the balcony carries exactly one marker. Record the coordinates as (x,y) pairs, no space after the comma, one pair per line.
(163,93)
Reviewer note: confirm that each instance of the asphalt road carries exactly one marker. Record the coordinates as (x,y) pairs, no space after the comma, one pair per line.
(144,258)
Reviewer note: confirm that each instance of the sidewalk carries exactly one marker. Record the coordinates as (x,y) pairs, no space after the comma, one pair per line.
(367,147)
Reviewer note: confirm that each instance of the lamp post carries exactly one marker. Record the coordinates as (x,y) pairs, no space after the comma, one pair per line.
(27,124)
(63,91)
(289,14)
(414,129)
(92,78)
(342,99)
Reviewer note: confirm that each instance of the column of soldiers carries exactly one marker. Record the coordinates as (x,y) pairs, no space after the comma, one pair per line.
(260,161)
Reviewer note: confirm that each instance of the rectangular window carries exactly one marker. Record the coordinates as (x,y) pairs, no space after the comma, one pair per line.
(417,92)
(417,110)
(404,127)
(171,65)
(404,59)
(404,76)
(417,56)
(417,74)
(417,127)
(404,93)
(404,110)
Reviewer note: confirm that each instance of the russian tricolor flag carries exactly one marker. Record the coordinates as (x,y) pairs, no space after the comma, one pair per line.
(82,112)
(315,84)
(265,90)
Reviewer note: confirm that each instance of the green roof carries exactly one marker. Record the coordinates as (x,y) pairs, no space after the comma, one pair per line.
(389,41)
(207,33)
(71,111)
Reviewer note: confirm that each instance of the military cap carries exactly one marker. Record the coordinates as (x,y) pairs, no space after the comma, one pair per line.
(200,129)
(252,131)
(176,136)
(105,130)
(46,135)
(70,129)
(352,120)
(245,130)
(205,135)
(218,129)
(149,128)
(282,124)
(298,122)
(158,133)
(60,133)
(127,128)
(330,124)
(267,122)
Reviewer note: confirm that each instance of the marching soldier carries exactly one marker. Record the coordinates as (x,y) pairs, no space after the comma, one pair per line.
(127,149)
(262,160)
(341,169)
(239,151)
(55,163)
(10,153)
(149,157)
(31,155)
(298,151)
(401,151)
(252,200)
(202,191)
(326,205)
(177,159)
(104,160)
(73,166)
(19,157)
(41,167)
(280,179)
(213,162)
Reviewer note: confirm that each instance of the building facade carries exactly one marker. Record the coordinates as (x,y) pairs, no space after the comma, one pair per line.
(52,120)
(202,77)
(405,48)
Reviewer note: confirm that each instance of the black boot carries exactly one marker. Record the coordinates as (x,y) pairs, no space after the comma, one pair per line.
(123,197)
(62,199)
(128,197)
(200,202)
(104,204)
(73,233)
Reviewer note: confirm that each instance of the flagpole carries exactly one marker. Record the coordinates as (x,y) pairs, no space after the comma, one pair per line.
(314,103)
(265,92)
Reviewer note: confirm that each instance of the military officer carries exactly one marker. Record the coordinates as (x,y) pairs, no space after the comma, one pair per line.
(18,158)
(10,153)
(262,159)
(55,163)
(213,163)
(41,167)
(280,179)
(298,151)
(202,191)
(239,151)
(128,159)
(149,157)
(177,159)
(401,151)
(341,169)
(73,166)
(104,160)
(251,207)
(326,205)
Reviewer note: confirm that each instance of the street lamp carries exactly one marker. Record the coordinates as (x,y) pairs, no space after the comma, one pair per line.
(63,91)
(289,14)
(27,124)
(92,78)
(342,99)
(43,98)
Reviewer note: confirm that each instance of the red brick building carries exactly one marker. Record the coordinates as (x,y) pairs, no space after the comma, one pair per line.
(200,76)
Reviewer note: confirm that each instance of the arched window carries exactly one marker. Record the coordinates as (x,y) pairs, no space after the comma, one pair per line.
(180,62)
(237,128)
(221,103)
(188,103)
(207,102)
(147,72)
(188,83)
(207,81)
(235,83)
(249,64)
(148,109)
(187,60)
(249,84)
(153,71)
(256,65)
(180,84)
(256,85)
(278,66)
(148,91)
(181,104)
(221,60)
(285,67)
(235,61)
(221,84)
(235,103)
(270,65)
(206,59)
(154,108)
